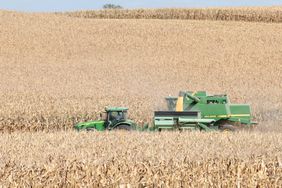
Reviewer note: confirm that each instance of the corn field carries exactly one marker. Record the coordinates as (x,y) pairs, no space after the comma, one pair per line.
(57,70)
(259,14)
(119,159)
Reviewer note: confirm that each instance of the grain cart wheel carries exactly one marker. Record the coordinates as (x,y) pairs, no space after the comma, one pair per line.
(228,128)
(124,127)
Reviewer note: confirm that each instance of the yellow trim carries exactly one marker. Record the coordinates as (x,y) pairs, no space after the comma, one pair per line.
(179,104)
(231,115)
(240,115)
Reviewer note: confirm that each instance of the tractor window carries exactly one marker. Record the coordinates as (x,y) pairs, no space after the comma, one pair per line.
(114,114)
(124,115)
(117,115)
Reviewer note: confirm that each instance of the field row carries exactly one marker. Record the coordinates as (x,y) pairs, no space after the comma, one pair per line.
(271,14)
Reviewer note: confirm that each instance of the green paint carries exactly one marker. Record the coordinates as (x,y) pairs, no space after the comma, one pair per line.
(98,125)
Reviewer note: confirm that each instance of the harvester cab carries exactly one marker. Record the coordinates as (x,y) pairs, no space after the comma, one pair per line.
(113,118)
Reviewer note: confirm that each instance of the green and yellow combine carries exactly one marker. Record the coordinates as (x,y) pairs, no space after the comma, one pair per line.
(188,111)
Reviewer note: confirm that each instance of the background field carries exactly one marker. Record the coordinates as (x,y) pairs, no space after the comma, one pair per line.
(56,70)
(247,14)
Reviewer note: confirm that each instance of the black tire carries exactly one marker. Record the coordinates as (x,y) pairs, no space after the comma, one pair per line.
(91,129)
(124,127)
(227,127)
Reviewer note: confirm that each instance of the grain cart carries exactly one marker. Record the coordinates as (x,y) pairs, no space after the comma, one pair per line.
(186,120)
(227,116)
(114,118)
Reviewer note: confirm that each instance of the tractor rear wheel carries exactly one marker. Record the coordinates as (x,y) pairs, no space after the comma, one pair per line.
(227,127)
(124,128)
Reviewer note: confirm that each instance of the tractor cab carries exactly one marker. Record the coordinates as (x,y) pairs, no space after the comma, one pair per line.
(114,116)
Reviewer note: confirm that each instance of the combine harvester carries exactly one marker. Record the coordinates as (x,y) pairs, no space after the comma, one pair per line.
(188,111)
(224,115)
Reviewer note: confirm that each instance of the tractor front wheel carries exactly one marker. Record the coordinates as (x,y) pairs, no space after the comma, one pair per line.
(124,127)
(91,129)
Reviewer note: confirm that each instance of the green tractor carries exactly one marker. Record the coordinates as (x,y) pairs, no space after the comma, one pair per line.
(114,118)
